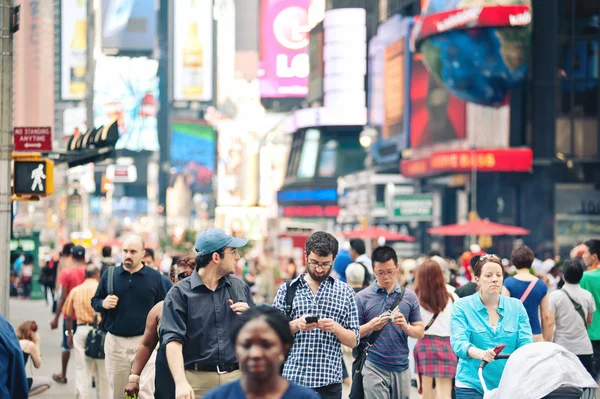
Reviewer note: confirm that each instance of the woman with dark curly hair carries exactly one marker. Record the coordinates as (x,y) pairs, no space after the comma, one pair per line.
(262,338)
(434,357)
(164,386)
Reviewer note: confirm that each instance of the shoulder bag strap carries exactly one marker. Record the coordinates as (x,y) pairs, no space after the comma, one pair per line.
(577,306)
(290,293)
(528,290)
(110,280)
(435,316)
(373,337)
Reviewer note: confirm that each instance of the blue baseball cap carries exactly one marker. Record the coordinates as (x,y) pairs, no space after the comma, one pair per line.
(212,240)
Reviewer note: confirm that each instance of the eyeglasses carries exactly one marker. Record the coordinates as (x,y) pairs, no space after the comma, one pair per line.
(383,273)
(315,264)
(234,252)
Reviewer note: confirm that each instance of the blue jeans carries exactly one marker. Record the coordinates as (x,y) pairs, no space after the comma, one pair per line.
(468,393)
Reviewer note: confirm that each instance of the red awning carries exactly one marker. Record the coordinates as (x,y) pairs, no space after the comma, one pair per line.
(373,233)
(478,227)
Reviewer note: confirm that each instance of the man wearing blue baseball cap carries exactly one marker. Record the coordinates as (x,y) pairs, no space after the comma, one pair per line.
(198,314)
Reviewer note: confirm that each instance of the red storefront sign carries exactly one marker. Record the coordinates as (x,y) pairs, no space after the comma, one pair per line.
(469,18)
(311,211)
(494,160)
(37,139)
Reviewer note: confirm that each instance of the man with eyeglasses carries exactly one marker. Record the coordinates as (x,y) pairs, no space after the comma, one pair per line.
(386,372)
(323,317)
(198,314)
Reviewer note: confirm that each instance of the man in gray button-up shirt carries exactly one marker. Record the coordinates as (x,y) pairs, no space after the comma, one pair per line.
(197,317)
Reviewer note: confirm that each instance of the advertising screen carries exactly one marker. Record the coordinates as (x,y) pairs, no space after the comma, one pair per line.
(193,153)
(193,50)
(284,37)
(126,89)
(128,26)
(73,45)
(436,116)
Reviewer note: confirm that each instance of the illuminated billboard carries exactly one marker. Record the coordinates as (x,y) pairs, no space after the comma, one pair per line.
(193,50)
(193,153)
(126,90)
(73,45)
(284,37)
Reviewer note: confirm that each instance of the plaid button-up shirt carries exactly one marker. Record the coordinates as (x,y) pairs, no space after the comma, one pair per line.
(315,359)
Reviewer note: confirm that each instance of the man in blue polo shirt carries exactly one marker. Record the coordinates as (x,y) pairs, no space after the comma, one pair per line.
(386,373)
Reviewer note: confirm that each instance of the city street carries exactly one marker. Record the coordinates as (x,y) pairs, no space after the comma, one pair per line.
(22,310)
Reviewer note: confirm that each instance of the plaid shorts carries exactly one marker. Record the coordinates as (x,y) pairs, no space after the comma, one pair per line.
(434,357)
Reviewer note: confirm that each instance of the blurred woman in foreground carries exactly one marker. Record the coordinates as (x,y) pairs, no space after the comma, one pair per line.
(262,338)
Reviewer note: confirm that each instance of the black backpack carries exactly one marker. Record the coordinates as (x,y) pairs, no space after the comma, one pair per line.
(368,277)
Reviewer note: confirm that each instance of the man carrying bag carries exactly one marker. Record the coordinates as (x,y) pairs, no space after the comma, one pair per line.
(79,304)
(388,314)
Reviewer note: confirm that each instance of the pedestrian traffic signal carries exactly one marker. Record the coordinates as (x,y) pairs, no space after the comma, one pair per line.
(33,177)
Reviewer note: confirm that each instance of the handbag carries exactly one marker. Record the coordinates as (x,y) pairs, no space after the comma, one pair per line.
(361,353)
(94,342)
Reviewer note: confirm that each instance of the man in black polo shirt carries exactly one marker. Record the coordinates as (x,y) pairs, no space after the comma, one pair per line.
(197,317)
(136,289)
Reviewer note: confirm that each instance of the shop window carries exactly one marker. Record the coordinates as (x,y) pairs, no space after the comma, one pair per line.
(308,157)
(578,79)
(327,163)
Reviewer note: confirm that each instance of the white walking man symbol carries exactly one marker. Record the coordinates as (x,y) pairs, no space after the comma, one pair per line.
(37,175)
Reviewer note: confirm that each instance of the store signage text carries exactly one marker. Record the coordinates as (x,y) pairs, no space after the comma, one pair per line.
(329,195)
(417,207)
(497,160)
(311,211)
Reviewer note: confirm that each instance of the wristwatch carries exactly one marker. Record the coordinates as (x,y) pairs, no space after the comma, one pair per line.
(68,332)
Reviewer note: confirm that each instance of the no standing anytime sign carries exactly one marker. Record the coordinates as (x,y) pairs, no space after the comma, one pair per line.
(36,139)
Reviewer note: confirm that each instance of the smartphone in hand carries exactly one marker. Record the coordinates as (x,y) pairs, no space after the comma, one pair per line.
(311,319)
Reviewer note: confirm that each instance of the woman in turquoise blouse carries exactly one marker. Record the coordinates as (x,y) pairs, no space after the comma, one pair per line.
(481,322)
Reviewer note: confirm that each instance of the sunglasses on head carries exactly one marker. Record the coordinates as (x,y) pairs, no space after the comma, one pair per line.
(181,276)
(485,257)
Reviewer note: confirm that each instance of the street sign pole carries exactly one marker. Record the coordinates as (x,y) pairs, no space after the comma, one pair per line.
(6,143)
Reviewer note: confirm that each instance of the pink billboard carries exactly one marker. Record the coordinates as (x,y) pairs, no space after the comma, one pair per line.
(284,36)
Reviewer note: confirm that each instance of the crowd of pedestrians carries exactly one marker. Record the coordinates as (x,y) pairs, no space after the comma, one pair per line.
(198,333)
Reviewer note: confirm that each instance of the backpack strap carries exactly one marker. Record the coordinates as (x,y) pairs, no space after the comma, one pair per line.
(110,280)
(234,293)
(367,279)
(375,334)
(290,293)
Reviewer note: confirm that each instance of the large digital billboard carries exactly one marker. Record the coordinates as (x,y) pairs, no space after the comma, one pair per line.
(284,37)
(126,89)
(193,153)
(436,116)
(73,45)
(193,50)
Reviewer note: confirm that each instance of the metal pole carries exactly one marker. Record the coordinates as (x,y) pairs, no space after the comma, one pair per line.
(6,82)
(473,186)
(90,64)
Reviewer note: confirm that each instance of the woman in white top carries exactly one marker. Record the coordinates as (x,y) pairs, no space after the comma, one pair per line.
(434,357)
(571,309)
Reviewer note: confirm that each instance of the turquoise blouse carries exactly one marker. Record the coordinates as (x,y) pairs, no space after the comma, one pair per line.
(469,325)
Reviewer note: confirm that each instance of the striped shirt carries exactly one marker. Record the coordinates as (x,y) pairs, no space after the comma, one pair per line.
(79,302)
(390,351)
(315,359)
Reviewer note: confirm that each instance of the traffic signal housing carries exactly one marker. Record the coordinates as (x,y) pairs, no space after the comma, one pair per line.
(32,177)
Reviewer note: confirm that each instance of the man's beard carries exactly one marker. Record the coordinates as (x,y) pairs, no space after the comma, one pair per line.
(318,278)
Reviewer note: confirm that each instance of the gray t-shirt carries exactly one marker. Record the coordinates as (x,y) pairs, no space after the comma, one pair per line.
(570,331)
